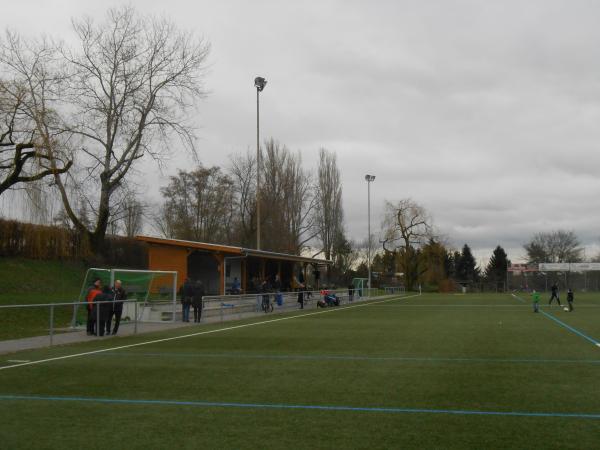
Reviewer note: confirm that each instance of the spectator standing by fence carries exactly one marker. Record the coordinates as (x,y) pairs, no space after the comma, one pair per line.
(93,292)
(104,303)
(277,286)
(197,301)
(299,286)
(186,299)
(119,295)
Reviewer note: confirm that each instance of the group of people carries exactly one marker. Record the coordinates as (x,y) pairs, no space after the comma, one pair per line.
(191,296)
(273,285)
(554,296)
(103,304)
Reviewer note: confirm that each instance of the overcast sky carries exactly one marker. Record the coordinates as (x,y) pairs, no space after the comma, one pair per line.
(487,113)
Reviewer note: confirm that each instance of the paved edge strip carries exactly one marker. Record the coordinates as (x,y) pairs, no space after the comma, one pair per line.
(564,325)
(200,333)
(300,407)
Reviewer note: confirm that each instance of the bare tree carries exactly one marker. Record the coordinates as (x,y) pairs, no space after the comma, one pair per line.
(127,213)
(26,87)
(286,195)
(131,84)
(243,173)
(288,200)
(198,206)
(329,213)
(406,228)
(133,219)
(554,246)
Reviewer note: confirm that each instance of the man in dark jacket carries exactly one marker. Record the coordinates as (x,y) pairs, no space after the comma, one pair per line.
(104,304)
(197,301)
(119,295)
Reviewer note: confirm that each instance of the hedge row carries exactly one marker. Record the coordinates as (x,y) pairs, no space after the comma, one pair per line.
(18,239)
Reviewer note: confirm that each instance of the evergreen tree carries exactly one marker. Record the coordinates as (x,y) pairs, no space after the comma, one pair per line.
(466,267)
(449,264)
(495,271)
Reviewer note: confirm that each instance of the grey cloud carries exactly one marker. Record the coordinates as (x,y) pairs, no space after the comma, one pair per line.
(487,113)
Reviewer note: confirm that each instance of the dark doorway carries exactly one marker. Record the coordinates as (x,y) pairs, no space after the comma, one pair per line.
(205,267)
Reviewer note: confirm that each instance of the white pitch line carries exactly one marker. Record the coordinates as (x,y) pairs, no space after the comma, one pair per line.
(200,333)
(17,360)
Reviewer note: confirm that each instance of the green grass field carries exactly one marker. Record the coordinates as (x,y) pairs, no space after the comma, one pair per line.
(423,372)
(26,281)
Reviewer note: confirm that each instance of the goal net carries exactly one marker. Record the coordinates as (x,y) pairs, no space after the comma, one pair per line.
(151,294)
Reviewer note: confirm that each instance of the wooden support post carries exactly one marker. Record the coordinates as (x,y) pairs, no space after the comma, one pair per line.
(244,280)
(221,262)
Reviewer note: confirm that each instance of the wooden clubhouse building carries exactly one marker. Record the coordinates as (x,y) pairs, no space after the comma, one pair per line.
(217,266)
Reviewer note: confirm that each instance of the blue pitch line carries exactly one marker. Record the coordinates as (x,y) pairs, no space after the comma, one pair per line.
(300,407)
(449,305)
(353,358)
(563,324)
(569,327)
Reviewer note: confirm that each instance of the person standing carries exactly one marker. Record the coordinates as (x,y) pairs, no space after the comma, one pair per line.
(197,301)
(277,286)
(554,295)
(264,289)
(119,295)
(570,299)
(350,292)
(299,283)
(186,299)
(94,291)
(535,296)
(104,302)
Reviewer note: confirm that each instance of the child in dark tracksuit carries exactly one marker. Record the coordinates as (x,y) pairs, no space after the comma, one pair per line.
(554,295)
(570,298)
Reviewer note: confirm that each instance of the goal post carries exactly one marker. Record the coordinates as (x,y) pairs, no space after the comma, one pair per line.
(156,289)
(154,292)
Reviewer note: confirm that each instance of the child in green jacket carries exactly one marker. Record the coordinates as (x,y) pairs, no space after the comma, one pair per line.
(535,296)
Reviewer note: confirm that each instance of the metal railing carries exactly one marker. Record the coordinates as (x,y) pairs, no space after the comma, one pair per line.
(238,306)
(137,308)
(214,309)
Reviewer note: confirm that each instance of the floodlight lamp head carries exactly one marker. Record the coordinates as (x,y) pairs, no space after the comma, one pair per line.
(260,83)
(369,178)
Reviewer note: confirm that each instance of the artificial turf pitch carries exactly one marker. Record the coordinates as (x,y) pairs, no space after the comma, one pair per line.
(429,371)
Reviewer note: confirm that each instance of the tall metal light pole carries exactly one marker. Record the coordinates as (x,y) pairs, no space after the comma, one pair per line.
(259,84)
(369,179)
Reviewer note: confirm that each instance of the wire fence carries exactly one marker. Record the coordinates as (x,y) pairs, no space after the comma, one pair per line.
(60,323)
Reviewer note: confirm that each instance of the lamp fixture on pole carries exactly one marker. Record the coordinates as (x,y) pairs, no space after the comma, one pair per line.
(259,84)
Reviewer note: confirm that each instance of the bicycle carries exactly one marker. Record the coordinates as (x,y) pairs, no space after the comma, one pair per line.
(266,305)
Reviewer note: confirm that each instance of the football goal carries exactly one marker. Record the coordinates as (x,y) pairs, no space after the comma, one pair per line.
(151,294)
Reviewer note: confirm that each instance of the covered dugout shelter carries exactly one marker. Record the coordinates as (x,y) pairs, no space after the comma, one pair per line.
(218,265)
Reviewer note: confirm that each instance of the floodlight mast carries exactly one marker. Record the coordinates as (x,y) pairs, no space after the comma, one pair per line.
(369,179)
(259,84)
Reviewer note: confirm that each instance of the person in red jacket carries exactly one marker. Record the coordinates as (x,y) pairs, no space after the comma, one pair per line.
(95,290)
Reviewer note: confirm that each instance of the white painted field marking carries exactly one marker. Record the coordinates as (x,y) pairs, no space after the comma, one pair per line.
(200,333)
(17,360)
